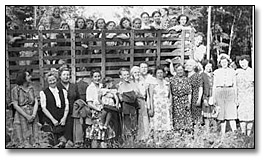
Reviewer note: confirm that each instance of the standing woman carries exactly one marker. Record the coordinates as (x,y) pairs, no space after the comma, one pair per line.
(143,119)
(245,94)
(181,100)
(207,77)
(26,105)
(95,131)
(55,106)
(197,91)
(161,102)
(72,96)
(224,93)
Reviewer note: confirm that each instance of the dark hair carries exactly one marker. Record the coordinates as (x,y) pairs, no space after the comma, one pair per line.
(178,65)
(167,10)
(158,68)
(242,57)
(145,13)
(106,80)
(94,71)
(21,76)
(205,62)
(65,23)
(182,15)
(56,9)
(156,12)
(99,20)
(123,69)
(76,22)
(199,34)
(122,20)
(107,24)
(135,19)
(90,20)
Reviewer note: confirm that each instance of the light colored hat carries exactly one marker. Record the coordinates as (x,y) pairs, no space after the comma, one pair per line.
(224,55)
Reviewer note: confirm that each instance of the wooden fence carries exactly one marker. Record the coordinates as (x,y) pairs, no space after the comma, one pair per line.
(106,54)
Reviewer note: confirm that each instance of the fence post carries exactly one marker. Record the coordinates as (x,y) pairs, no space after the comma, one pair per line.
(183,35)
(132,44)
(73,55)
(158,47)
(192,43)
(8,91)
(103,53)
(41,60)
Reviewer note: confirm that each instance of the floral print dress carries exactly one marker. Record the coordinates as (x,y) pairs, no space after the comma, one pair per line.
(162,108)
(181,116)
(245,94)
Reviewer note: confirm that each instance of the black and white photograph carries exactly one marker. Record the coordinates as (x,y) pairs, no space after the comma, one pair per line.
(130,77)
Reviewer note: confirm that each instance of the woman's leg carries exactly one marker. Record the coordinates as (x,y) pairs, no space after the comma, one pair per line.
(243,127)
(108,118)
(249,128)
(223,126)
(233,125)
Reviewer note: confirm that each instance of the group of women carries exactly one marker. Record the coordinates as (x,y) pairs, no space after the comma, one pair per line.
(140,105)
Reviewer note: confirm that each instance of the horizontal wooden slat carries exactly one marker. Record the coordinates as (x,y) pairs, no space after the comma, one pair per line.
(20,67)
(23,58)
(57,48)
(92,56)
(22,49)
(118,64)
(88,64)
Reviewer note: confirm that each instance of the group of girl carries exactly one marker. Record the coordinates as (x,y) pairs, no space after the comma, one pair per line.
(140,105)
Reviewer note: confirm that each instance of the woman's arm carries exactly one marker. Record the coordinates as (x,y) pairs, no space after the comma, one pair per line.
(149,100)
(34,114)
(21,111)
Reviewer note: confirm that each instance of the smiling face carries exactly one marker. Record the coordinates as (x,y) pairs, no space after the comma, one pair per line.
(96,77)
(125,75)
(208,67)
(156,17)
(224,63)
(65,76)
(136,74)
(179,70)
(52,81)
(126,24)
(243,63)
(189,66)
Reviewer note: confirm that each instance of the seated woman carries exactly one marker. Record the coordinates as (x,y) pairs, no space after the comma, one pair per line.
(26,105)
(55,106)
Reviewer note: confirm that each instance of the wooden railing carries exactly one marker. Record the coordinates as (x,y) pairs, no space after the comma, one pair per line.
(108,60)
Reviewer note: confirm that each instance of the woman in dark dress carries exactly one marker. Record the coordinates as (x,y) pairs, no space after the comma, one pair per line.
(72,96)
(197,91)
(181,94)
(55,106)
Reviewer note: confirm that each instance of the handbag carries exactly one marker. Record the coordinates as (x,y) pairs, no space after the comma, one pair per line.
(110,108)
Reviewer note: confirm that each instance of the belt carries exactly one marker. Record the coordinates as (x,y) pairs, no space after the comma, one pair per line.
(224,86)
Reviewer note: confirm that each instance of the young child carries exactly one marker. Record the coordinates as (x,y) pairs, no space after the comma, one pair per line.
(109,101)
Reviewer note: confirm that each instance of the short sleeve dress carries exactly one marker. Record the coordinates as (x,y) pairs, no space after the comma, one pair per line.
(26,100)
(181,116)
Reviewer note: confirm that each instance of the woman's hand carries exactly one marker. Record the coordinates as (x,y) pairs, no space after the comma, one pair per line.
(63,121)
(55,122)
(205,102)
(30,118)
(198,103)
(151,112)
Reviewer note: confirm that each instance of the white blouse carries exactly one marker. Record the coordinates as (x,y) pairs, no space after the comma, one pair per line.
(55,93)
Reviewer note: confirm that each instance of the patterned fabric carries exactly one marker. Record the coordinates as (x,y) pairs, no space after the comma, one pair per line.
(162,108)
(26,100)
(181,88)
(196,83)
(143,121)
(245,93)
